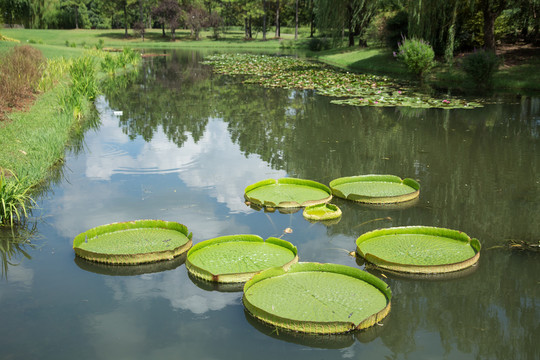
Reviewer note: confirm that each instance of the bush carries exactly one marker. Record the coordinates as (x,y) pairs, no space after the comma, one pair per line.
(318,44)
(417,55)
(20,72)
(480,66)
(15,201)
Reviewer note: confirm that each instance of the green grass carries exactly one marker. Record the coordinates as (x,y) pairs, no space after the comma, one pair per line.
(32,141)
(56,39)
(380,61)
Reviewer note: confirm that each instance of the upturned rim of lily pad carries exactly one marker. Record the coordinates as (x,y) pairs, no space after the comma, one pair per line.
(384,199)
(137,257)
(378,260)
(235,277)
(321,212)
(287,203)
(269,316)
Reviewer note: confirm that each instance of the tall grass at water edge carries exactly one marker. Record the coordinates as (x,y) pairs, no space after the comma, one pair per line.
(15,199)
(32,141)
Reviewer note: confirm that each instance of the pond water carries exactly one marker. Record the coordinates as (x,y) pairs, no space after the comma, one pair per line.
(187,144)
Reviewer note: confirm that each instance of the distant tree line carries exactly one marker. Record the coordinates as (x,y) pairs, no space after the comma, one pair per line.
(446,24)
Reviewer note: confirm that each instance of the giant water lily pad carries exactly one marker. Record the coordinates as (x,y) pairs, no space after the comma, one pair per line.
(375,189)
(133,242)
(322,212)
(418,249)
(236,258)
(317,298)
(287,193)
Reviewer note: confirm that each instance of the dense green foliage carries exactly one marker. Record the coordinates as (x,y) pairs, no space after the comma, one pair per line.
(480,66)
(447,25)
(417,55)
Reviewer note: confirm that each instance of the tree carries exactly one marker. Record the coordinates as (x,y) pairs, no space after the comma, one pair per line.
(196,19)
(491,9)
(168,12)
(354,15)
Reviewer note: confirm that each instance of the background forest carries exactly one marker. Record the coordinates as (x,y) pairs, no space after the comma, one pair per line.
(448,25)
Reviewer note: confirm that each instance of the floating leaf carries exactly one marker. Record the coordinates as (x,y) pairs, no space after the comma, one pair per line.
(287,193)
(375,189)
(355,89)
(133,242)
(418,249)
(317,298)
(236,258)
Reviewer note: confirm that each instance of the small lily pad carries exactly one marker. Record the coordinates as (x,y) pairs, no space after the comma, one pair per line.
(418,249)
(375,189)
(133,242)
(287,193)
(317,298)
(322,212)
(236,258)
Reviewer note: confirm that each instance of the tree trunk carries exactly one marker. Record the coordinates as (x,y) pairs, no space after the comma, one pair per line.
(249,28)
(450,42)
(264,20)
(489,30)
(77,17)
(296,23)
(350,25)
(125,19)
(163,29)
(278,30)
(246,32)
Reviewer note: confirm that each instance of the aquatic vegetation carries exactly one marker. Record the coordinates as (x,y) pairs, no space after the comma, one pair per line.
(352,88)
(133,242)
(287,193)
(375,189)
(317,298)
(15,199)
(322,212)
(236,258)
(418,249)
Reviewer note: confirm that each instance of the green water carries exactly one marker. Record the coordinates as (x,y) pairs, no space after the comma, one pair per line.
(188,143)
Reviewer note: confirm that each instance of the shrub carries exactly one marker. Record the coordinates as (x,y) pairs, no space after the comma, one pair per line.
(20,71)
(480,66)
(318,44)
(417,55)
(15,201)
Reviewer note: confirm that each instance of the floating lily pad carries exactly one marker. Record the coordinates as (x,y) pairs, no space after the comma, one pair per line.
(351,88)
(134,242)
(132,270)
(287,193)
(418,249)
(236,258)
(322,212)
(375,189)
(317,298)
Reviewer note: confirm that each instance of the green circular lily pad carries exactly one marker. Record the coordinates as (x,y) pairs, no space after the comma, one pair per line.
(375,189)
(322,212)
(287,193)
(133,242)
(418,249)
(317,298)
(236,258)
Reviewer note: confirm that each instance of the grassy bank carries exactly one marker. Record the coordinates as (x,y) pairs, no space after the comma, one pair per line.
(79,39)
(519,77)
(34,140)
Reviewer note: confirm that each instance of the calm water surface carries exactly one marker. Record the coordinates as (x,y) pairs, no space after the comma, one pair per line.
(186,146)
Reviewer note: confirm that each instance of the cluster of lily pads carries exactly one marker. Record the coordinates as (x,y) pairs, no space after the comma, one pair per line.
(278,290)
(352,88)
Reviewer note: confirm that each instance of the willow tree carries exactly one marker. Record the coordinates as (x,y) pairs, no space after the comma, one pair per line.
(336,16)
